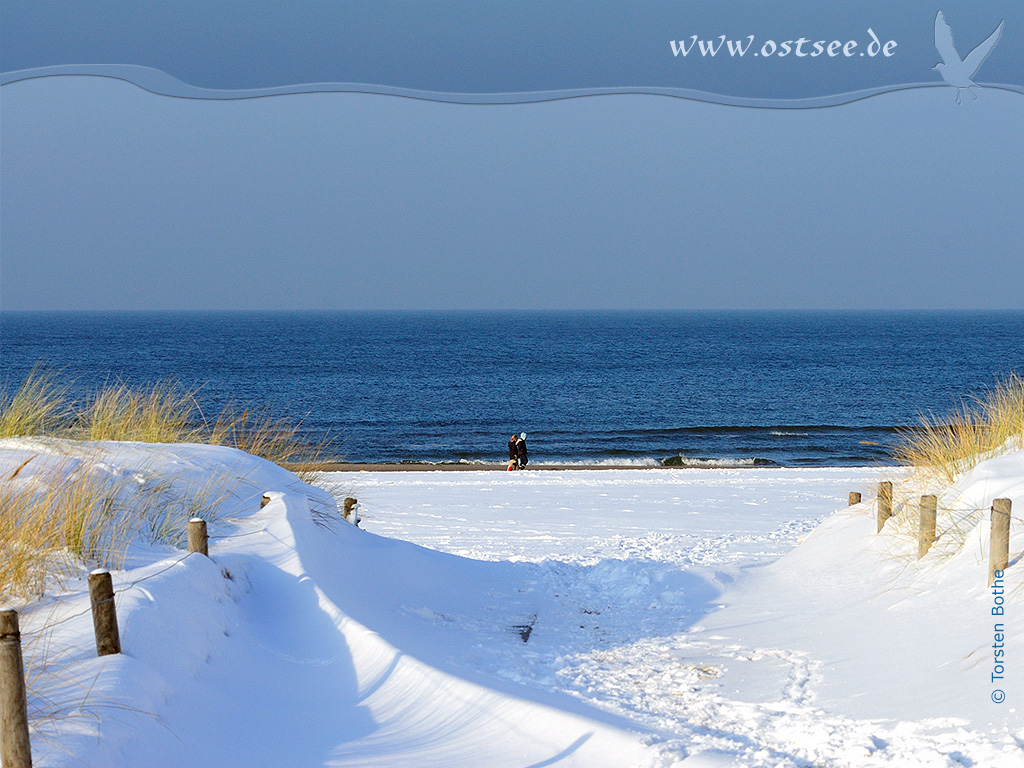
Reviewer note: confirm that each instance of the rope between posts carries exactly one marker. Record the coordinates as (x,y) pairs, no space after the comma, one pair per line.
(901,505)
(52,624)
(125,587)
(223,536)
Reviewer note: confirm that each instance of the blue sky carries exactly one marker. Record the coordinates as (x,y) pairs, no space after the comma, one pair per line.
(115,198)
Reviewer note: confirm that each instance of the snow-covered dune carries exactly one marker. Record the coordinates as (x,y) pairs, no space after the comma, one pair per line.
(613,618)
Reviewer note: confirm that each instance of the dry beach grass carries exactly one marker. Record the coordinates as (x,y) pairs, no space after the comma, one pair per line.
(162,413)
(938,451)
(987,424)
(58,515)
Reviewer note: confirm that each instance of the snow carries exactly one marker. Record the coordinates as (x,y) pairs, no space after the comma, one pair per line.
(638,617)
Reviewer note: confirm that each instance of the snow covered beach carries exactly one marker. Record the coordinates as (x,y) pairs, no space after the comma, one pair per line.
(617,618)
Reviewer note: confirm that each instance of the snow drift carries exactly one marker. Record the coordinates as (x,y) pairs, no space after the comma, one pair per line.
(614,618)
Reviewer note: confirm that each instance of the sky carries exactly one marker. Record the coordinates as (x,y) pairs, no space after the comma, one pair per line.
(112,197)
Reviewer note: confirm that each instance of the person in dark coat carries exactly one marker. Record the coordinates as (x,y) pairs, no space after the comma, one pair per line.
(521,457)
(513,453)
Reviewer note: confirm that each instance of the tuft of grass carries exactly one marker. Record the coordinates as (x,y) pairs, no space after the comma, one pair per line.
(164,505)
(259,433)
(953,525)
(39,406)
(70,511)
(52,521)
(74,513)
(941,449)
(26,559)
(163,414)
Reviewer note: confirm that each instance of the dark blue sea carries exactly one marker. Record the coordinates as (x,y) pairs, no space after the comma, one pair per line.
(790,389)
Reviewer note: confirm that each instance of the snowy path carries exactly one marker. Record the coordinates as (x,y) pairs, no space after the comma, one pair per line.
(296,682)
(715,516)
(631,570)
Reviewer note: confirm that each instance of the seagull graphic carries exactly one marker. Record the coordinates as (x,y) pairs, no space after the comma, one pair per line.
(954,70)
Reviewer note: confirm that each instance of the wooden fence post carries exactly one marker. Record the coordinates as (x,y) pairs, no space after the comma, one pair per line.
(926,530)
(104,614)
(884,503)
(15,745)
(999,539)
(197,538)
(854,498)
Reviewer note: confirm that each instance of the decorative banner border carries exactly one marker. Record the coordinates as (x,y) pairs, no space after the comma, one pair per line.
(158,82)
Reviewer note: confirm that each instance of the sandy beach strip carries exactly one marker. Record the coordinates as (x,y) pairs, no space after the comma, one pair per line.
(455,467)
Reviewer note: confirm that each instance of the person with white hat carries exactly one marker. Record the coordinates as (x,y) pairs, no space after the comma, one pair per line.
(521,458)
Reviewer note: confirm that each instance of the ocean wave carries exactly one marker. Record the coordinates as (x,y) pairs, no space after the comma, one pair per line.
(683,462)
(438,462)
(726,463)
(611,462)
(771,429)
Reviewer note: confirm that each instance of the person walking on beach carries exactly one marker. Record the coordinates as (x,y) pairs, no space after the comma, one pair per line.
(521,458)
(513,453)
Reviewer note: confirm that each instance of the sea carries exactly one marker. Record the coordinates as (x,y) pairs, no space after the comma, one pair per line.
(685,389)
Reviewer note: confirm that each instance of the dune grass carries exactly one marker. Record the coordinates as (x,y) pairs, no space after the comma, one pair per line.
(39,406)
(52,520)
(940,449)
(65,509)
(70,512)
(59,515)
(162,413)
(260,433)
